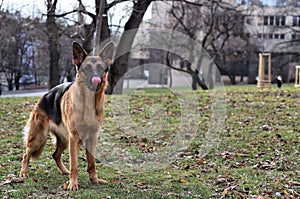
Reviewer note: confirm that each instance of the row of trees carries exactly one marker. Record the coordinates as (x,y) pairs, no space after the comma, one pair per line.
(25,41)
(24,51)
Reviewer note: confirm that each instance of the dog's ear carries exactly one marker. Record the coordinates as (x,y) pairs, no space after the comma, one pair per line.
(107,53)
(79,54)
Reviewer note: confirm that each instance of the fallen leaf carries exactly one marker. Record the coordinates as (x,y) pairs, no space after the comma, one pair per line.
(295,193)
(225,192)
(174,167)
(5,182)
(33,179)
(184,181)
(276,184)
(141,185)
(100,165)
(293,183)
(285,192)
(3,167)
(171,194)
(65,186)
(260,197)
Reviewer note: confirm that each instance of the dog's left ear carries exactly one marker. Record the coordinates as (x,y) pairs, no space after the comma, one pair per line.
(79,54)
(107,53)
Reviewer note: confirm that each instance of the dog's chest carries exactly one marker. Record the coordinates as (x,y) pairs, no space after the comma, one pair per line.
(80,108)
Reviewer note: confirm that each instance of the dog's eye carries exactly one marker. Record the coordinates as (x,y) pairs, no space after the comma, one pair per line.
(99,70)
(88,69)
(99,66)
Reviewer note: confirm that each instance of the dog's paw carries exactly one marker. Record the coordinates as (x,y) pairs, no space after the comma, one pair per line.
(73,186)
(23,175)
(98,181)
(66,172)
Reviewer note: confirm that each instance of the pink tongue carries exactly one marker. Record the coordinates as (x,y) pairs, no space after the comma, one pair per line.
(96,81)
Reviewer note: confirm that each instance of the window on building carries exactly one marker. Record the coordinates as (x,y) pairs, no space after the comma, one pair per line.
(274,20)
(283,20)
(263,36)
(270,36)
(296,20)
(248,20)
(259,36)
(266,20)
(295,37)
(280,20)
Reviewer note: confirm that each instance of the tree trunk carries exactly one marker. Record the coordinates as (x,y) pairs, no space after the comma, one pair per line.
(17,81)
(10,84)
(196,80)
(119,66)
(194,83)
(90,29)
(232,79)
(105,31)
(53,37)
(100,7)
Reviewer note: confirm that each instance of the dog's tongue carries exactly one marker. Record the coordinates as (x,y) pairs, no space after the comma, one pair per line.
(96,81)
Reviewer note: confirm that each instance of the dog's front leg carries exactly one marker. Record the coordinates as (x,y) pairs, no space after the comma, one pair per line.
(90,154)
(73,148)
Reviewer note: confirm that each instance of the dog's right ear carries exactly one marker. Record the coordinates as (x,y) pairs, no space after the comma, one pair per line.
(79,54)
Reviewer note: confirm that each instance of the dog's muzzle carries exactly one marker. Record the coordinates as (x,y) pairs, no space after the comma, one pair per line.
(95,83)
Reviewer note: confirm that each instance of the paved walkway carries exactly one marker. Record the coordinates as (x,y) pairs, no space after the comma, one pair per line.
(24,93)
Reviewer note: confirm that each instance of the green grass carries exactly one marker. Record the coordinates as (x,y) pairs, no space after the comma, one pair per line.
(257,155)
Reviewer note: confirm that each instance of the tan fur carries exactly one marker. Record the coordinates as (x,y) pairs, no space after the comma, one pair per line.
(82,114)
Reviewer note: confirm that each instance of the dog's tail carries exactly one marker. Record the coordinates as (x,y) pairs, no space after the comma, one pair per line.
(35,133)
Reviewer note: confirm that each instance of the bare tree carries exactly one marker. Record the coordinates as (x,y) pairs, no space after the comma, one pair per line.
(119,66)
(15,48)
(216,25)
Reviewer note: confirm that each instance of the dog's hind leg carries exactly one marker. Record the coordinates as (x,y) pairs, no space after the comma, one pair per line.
(35,134)
(61,145)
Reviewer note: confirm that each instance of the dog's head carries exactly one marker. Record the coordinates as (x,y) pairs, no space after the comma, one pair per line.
(92,70)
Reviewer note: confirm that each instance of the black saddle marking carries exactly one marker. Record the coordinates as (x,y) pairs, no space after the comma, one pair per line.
(50,102)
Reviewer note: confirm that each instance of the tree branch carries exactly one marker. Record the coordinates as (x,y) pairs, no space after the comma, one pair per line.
(112,4)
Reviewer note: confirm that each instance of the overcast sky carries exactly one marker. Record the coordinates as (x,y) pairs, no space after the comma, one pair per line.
(35,8)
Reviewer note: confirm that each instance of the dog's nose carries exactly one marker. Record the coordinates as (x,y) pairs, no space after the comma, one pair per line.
(96,81)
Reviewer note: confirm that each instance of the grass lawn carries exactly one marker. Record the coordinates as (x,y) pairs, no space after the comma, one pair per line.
(257,155)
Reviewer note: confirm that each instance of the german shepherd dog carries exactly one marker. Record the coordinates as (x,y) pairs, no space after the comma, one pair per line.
(73,113)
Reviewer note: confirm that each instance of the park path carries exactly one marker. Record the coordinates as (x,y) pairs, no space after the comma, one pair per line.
(27,93)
